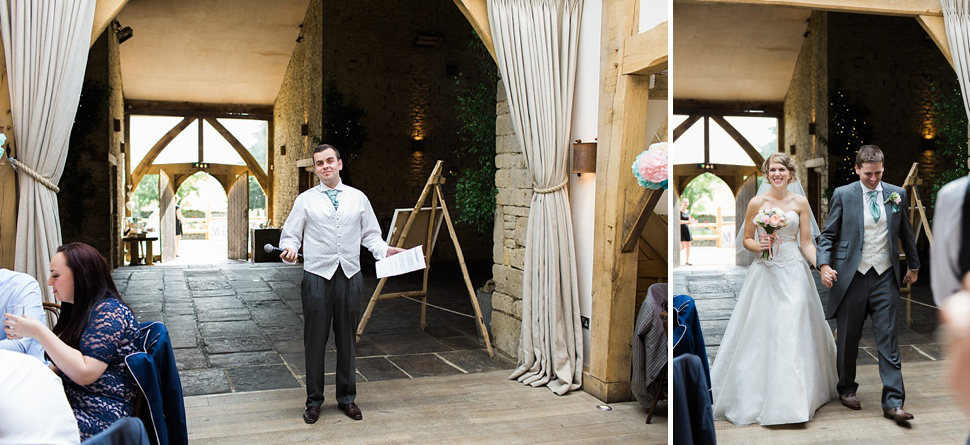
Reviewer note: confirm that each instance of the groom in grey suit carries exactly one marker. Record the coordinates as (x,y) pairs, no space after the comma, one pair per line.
(865,221)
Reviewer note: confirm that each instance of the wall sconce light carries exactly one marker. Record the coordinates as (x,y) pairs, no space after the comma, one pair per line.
(282,150)
(304,129)
(117,124)
(791,149)
(811,128)
(584,157)
(417,145)
(124,34)
(926,143)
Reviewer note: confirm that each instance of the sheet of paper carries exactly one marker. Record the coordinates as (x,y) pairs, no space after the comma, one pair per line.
(408,261)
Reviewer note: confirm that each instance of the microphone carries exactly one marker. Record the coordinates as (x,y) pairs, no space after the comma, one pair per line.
(269,248)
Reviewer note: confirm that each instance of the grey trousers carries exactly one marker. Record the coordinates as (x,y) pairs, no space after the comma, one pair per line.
(876,296)
(336,300)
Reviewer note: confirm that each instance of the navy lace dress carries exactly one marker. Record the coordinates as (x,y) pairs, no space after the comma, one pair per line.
(109,337)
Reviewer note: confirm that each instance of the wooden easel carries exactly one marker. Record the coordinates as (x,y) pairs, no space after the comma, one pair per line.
(433,187)
(917,217)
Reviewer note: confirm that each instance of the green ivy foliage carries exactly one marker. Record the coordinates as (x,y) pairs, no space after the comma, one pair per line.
(475,190)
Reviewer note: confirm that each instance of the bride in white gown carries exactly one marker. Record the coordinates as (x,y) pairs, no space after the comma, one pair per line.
(776,363)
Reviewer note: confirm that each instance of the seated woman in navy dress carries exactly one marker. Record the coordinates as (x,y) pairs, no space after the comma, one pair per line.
(94,333)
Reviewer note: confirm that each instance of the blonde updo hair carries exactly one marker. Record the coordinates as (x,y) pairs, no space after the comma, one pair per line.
(783,159)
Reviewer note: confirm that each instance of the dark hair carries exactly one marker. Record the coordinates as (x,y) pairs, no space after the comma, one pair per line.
(92,285)
(323,147)
(868,154)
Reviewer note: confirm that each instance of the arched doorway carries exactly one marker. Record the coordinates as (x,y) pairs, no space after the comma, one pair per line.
(712,206)
(729,145)
(228,149)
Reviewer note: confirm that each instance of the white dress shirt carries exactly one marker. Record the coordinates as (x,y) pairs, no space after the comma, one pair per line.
(947,231)
(875,240)
(332,237)
(20,289)
(33,407)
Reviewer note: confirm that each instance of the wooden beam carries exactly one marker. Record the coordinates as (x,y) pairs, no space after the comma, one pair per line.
(477,14)
(685,125)
(248,158)
(752,152)
(933,25)
(646,53)
(636,217)
(188,169)
(104,12)
(8,178)
(684,173)
(908,8)
(199,110)
(149,158)
(655,237)
(622,114)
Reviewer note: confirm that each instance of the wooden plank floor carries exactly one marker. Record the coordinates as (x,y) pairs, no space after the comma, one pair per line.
(468,408)
(938,420)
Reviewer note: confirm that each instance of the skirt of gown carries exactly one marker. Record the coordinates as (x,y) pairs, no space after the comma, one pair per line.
(777,362)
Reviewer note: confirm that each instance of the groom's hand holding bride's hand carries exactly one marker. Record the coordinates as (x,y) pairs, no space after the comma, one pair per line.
(829,275)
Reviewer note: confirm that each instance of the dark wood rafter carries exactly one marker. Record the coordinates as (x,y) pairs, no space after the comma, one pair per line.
(634,222)
(740,139)
(247,157)
(685,125)
(146,162)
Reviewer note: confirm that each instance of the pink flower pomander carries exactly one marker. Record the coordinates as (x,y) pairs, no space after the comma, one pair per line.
(653,166)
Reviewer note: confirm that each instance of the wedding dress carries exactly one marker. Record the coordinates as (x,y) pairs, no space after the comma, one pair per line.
(776,363)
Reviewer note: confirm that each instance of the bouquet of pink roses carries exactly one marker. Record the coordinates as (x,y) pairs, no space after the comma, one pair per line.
(771,220)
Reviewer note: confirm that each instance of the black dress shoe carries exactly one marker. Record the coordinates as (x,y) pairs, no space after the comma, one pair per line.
(850,401)
(897,414)
(351,410)
(311,414)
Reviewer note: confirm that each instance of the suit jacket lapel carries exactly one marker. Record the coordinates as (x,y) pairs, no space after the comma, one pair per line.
(860,203)
(888,206)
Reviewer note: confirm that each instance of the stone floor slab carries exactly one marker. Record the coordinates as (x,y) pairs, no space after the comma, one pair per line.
(256,378)
(203,381)
(424,365)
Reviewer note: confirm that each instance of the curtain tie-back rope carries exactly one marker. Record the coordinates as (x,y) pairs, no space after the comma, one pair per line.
(30,172)
(551,189)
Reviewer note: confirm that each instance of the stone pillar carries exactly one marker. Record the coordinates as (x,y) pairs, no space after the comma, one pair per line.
(511,220)
(166,216)
(238,225)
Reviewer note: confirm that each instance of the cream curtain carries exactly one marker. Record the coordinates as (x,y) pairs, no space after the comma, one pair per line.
(956,19)
(46,48)
(536,43)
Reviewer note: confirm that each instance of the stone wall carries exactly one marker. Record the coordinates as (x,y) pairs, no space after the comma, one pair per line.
(888,64)
(807,101)
(511,220)
(300,101)
(91,182)
(407,91)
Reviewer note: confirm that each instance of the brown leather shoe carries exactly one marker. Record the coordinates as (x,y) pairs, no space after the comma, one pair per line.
(850,401)
(351,410)
(311,414)
(898,414)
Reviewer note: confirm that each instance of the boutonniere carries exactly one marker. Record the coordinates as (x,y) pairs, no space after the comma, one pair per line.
(895,199)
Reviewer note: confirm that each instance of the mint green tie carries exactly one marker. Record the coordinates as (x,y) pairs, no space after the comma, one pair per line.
(333,197)
(874,205)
